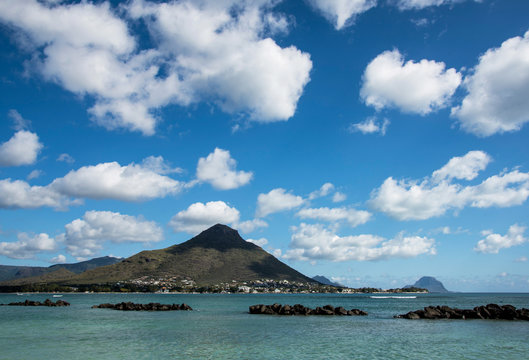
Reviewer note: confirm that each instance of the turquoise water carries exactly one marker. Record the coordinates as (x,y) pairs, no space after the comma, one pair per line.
(221,328)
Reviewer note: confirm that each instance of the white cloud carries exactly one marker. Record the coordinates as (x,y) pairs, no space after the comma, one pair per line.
(249,226)
(199,216)
(315,242)
(158,165)
(22,149)
(465,167)
(421,4)
(19,123)
(413,87)
(27,246)
(276,200)
(493,243)
(85,237)
(371,125)
(259,242)
(215,51)
(59,259)
(112,181)
(219,169)
(66,158)
(339,197)
(342,13)
(325,190)
(434,196)
(352,216)
(103,181)
(19,194)
(34,174)
(521,259)
(221,54)
(497,89)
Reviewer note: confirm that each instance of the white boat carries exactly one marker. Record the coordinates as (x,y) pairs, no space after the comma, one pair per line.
(57,295)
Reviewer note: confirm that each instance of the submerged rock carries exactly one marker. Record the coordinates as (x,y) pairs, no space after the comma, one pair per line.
(130,306)
(46,302)
(298,309)
(488,312)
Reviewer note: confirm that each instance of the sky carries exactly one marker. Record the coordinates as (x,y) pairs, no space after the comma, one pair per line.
(369,141)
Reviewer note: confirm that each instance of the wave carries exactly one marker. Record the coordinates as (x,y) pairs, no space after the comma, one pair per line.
(393,297)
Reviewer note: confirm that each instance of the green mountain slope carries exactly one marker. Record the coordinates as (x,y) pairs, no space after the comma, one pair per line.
(10,273)
(216,255)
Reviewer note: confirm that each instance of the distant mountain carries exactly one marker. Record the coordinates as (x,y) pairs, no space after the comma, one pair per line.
(9,273)
(430,283)
(323,280)
(82,266)
(216,255)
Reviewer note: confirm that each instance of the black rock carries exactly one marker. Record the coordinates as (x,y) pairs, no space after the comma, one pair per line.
(489,312)
(46,302)
(130,306)
(298,309)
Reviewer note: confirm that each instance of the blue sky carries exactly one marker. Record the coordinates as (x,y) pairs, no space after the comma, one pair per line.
(372,142)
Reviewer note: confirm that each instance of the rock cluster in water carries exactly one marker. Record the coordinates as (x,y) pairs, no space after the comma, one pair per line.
(298,309)
(490,312)
(46,302)
(130,306)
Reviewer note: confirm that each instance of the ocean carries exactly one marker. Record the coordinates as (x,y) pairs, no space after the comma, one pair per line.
(220,327)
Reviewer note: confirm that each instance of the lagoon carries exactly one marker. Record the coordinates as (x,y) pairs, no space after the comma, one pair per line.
(220,327)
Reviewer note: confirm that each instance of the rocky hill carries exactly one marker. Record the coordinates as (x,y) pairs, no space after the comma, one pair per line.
(11,273)
(216,255)
(430,283)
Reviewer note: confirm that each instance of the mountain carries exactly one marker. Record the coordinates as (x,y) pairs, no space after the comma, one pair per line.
(216,255)
(430,283)
(82,266)
(10,273)
(323,280)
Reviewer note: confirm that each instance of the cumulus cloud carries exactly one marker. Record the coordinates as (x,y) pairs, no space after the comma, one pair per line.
(216,51)
(19,123)
(342,13)
(465,167)
(496,101)
(18,194)
(110,180)
(421,4)
(493,243)
(413,87)
(325,190)
(277,200)
(34,174)
(27,246)
(59,259)
(259,242)
(22,149)
(315,242)
(219,169)
(199,216)
(66,158)
(371,125)
(249,226)
(435,195)
(352,216)
(131,182)
(338,197)
(158,165)
(85,237)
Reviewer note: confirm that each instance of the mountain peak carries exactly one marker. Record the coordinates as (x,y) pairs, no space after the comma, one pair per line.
(219,237)
(431,284)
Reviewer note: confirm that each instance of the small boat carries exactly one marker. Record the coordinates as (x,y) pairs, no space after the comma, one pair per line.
(57,295)
(20,294)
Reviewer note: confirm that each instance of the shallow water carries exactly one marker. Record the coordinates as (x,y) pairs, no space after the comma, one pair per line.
(221,328)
